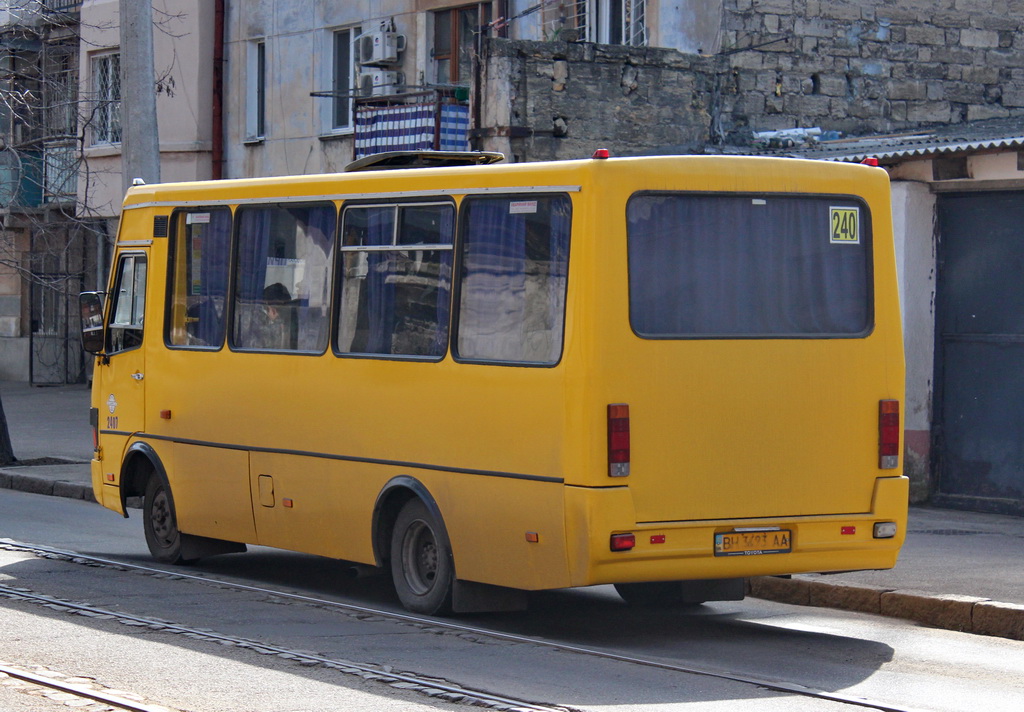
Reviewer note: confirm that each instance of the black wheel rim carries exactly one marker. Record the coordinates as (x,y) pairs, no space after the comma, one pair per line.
(162,519)
(420,557)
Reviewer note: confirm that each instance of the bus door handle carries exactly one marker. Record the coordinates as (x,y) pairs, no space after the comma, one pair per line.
(137,376)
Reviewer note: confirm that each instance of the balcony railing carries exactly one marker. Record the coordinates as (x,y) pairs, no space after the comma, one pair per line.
(417,121)
(62,6)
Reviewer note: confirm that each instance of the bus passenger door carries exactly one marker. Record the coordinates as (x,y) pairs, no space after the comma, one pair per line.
(120,372)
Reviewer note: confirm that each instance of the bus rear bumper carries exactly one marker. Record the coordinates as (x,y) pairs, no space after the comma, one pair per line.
(668,551)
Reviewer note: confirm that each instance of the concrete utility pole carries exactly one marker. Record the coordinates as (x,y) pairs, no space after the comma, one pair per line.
(140,142)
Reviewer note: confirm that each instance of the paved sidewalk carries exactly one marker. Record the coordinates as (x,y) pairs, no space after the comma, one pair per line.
(958,570)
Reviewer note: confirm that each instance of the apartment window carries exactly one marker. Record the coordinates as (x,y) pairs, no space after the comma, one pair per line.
(342,80)
(106,73)
(622,22)
(256,88)
(455,35)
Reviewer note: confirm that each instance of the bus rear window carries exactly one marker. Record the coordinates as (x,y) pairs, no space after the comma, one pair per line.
(742,266)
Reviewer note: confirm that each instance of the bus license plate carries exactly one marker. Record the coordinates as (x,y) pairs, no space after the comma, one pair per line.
(779,541)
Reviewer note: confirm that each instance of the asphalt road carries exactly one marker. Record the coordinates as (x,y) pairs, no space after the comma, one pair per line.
(878,658)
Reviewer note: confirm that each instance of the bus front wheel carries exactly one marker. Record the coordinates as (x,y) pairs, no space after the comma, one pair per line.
(421,561)
(161,523)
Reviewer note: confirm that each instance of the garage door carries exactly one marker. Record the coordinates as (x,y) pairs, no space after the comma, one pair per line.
(979,384)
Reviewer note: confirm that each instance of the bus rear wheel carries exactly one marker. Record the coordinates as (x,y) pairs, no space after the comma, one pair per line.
(161,523)
(421,561)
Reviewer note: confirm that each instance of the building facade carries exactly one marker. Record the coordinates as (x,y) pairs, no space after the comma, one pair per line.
(276,87)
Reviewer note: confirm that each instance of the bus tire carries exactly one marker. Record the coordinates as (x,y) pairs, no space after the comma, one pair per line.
(654,594)
(161,523)
(421,561)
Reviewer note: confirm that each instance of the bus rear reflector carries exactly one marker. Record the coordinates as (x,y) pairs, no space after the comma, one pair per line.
(623,542)
(618,440)
(888,434)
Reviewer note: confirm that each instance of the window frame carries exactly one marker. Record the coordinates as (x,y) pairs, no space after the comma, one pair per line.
(460,241)
(603,27)
(341,104)
(107,129)
(451,17)
(339,272)
(172,262)
(256,91)
(869,275)
(230,316)
(138,326)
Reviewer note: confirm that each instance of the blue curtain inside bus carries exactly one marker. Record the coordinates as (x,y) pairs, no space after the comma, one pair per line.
(754,266)
(513,278)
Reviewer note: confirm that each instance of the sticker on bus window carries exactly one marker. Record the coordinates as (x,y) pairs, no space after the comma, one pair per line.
(845,225)
(197,218)
(522,207)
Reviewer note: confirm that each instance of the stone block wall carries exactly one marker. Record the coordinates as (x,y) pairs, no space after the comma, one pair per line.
(858,67)
(871,66)
(557,100)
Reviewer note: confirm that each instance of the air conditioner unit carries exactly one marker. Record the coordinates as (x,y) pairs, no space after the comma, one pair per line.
(379,48)
(381,82)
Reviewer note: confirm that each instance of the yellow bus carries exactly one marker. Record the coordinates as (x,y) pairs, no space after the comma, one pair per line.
(663,373)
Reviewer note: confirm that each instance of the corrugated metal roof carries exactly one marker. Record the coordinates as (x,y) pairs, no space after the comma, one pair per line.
(970,137)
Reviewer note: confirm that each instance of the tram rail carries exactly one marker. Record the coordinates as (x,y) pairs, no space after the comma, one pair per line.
(450,693)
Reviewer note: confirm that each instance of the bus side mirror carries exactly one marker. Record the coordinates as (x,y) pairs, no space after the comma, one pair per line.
(91,307)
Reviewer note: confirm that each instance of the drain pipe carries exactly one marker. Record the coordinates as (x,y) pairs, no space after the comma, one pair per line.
(217,157)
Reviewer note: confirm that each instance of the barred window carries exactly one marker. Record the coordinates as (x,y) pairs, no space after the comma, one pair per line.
(106,76)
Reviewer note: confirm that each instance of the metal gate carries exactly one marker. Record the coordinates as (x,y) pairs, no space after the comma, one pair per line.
(979,378)
(55,347)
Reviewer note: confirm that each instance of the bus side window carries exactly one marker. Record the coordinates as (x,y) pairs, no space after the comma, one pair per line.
(283,277)
(513,278)
(200,248)
(129,306)
(396,279)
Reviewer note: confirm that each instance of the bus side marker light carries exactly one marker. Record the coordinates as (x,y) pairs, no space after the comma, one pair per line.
(601,153)
(532,537)
(885,530)
(287,503)
(657,538)
(109,477)
(165,414)
(618,440)
(623,542)
(848,531)
(888,434)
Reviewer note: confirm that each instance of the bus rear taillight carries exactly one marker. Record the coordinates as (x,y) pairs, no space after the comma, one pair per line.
(888,434)
(623,542)
(618,440)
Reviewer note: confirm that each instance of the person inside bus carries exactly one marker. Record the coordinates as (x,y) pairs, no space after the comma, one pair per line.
(272,327)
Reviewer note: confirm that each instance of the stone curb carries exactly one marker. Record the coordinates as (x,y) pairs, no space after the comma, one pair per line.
(967,614)
(45,485)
